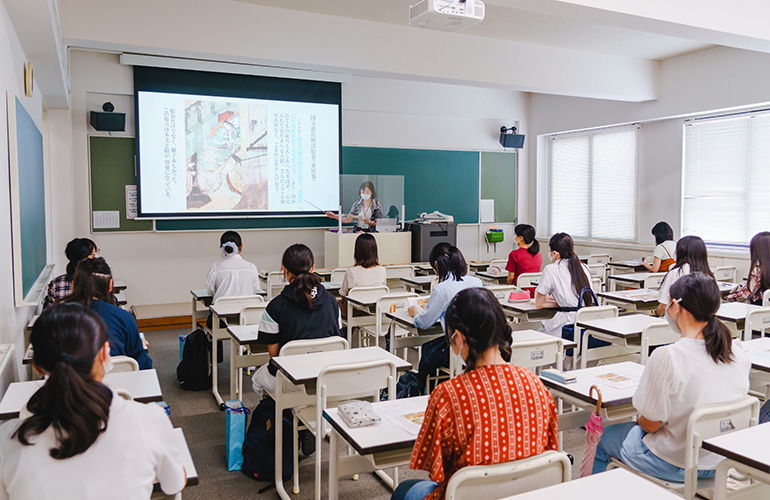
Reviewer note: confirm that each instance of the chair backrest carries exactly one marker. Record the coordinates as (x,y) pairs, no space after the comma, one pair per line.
(308,346)
(368,293)
(124,364)
(398,272)
(497,266)
(390,302)
(758,320)
(337,275)
(533,354)
(598,271)
(725,273)
(766,298)
(124,394)
(492,482)
(713,420)
(242,300)
(525,280)
(654,334)
(276,279)
(250,315)
(501,291)
(596,285)
(599,258)
(653,281)
(592,313)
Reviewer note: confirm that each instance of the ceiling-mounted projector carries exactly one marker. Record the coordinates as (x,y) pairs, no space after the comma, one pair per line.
(446,15)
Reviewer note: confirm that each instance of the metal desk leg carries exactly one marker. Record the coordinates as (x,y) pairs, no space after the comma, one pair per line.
(234,370)
(194,314)
(214,365)
(333,462)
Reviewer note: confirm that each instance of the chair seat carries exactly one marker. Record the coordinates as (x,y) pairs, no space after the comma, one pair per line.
(397,331)
(705,487)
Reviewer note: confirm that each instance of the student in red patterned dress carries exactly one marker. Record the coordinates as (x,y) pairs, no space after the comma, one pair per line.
(477,418)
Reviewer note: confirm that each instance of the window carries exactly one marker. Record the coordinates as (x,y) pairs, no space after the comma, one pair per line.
(593,184)
(726,178)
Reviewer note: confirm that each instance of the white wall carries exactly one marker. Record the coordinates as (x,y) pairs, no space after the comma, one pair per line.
(161,268)
(12,59)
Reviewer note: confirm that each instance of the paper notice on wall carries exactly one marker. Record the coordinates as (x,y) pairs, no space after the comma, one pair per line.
(132,205)
(106,219)
(487,210)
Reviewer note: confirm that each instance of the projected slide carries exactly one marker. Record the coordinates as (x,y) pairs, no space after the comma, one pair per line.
(206,154)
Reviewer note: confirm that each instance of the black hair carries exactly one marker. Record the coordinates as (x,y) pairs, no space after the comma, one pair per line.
(66,340)
(92,280)
(662,232)
(230,237)
(562,244)
(528,233)
(365,252)
(759,249)
(699,294)
(692,250)
(368,185)
(298,260)
(476,313)
(77,250)
(448,260)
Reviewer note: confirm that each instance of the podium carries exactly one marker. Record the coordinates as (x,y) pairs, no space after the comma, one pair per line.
(392,248)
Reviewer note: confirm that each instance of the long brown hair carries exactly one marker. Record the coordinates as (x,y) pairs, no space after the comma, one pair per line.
(66,340)
(562,244)
(365,252)
(759,248)
(298,260)
(692,250)
(92,280)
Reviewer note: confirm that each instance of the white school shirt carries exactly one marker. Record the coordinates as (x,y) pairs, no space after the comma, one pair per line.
(679,378)
(664,295)
(363,276)
(666,250)
(122,464)
(557,281)
(233,276)
(440,297)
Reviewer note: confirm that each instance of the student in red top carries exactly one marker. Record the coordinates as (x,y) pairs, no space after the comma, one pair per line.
(479,417)
(526,258)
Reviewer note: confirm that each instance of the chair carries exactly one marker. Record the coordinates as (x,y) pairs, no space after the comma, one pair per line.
(492,482)
(599,258)
(337,275)
(592,313)
(502,291)
(276,279)
(124,364)
(758,320)
(337,383)
(658,333)
(653,281)
(534,354)
(766,298)
(497,266)
(598,271)
(525,280)
(596,285)
(705,422)
(725,273)
(368,294)
(395,273)
(124,394)
(389,302)
(250,315)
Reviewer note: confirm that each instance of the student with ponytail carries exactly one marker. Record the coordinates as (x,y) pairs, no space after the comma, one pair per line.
(526,258)
(93,288)
(561,283)
(703,367)
(494,412)
(303,310)
(691,257)
(77,438)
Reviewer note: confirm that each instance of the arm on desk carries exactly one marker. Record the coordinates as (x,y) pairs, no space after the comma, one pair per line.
(544,301)
(434,308)
(654,267)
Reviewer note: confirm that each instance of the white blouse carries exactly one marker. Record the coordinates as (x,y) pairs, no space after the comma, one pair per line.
(557,281)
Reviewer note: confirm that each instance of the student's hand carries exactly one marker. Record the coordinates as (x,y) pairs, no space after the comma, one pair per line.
(145,344)
(414,310)
(369,222)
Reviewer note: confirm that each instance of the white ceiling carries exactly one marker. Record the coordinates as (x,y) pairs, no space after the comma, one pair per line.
(515,25)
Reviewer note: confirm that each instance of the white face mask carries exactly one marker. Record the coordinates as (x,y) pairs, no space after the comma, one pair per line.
(108,365)
(672,322)
(554,256)
(365,196)
(459,361)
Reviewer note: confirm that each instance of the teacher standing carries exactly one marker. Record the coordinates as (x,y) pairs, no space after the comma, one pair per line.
(365,211)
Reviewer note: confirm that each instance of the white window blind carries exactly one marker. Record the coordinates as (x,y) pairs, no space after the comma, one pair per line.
(726,178)
(593,184)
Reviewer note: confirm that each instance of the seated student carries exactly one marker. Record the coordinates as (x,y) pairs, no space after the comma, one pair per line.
(561,282)
(494,412)
(452,270)
(76,437)
(61,287)
(703,367)
(759,272)
(664,255)
(526,258)
(303,310)
(93,288)
(367,271)
(691,257)
(232,276)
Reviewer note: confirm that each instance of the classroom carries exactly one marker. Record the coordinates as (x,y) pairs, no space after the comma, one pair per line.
(638,137)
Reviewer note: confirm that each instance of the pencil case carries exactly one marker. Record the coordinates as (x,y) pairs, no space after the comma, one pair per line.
(558,376)
(358,414)
(518,297)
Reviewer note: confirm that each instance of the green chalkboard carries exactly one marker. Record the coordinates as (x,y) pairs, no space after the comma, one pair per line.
(447,181)
(498,182)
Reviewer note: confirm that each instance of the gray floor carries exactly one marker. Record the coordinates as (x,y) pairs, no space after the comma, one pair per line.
(204,427)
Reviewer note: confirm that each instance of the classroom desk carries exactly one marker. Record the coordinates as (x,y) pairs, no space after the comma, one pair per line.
(526,311)
(202,297)
(641,299)
(366,308)
(494,278)
(733,314)
(419,284)
(143,385)
(230,314)
(478,265)
(187,461)
(616,400)
(416,335)
(747,452)
(304,370)
(633,280)
(611,485)
(118,286)
(617,331)
(423,269)
(534,335)
(120,298)
(759,354)
(380,446)
(627,266)
(393,248)
(243,336)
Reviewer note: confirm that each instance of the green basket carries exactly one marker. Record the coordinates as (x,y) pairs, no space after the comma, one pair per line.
(494,236)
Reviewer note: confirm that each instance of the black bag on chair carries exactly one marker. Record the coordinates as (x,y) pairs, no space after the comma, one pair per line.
(194,371)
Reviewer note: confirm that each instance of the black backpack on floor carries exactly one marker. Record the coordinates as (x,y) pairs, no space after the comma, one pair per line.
(194,371)
(259,444)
